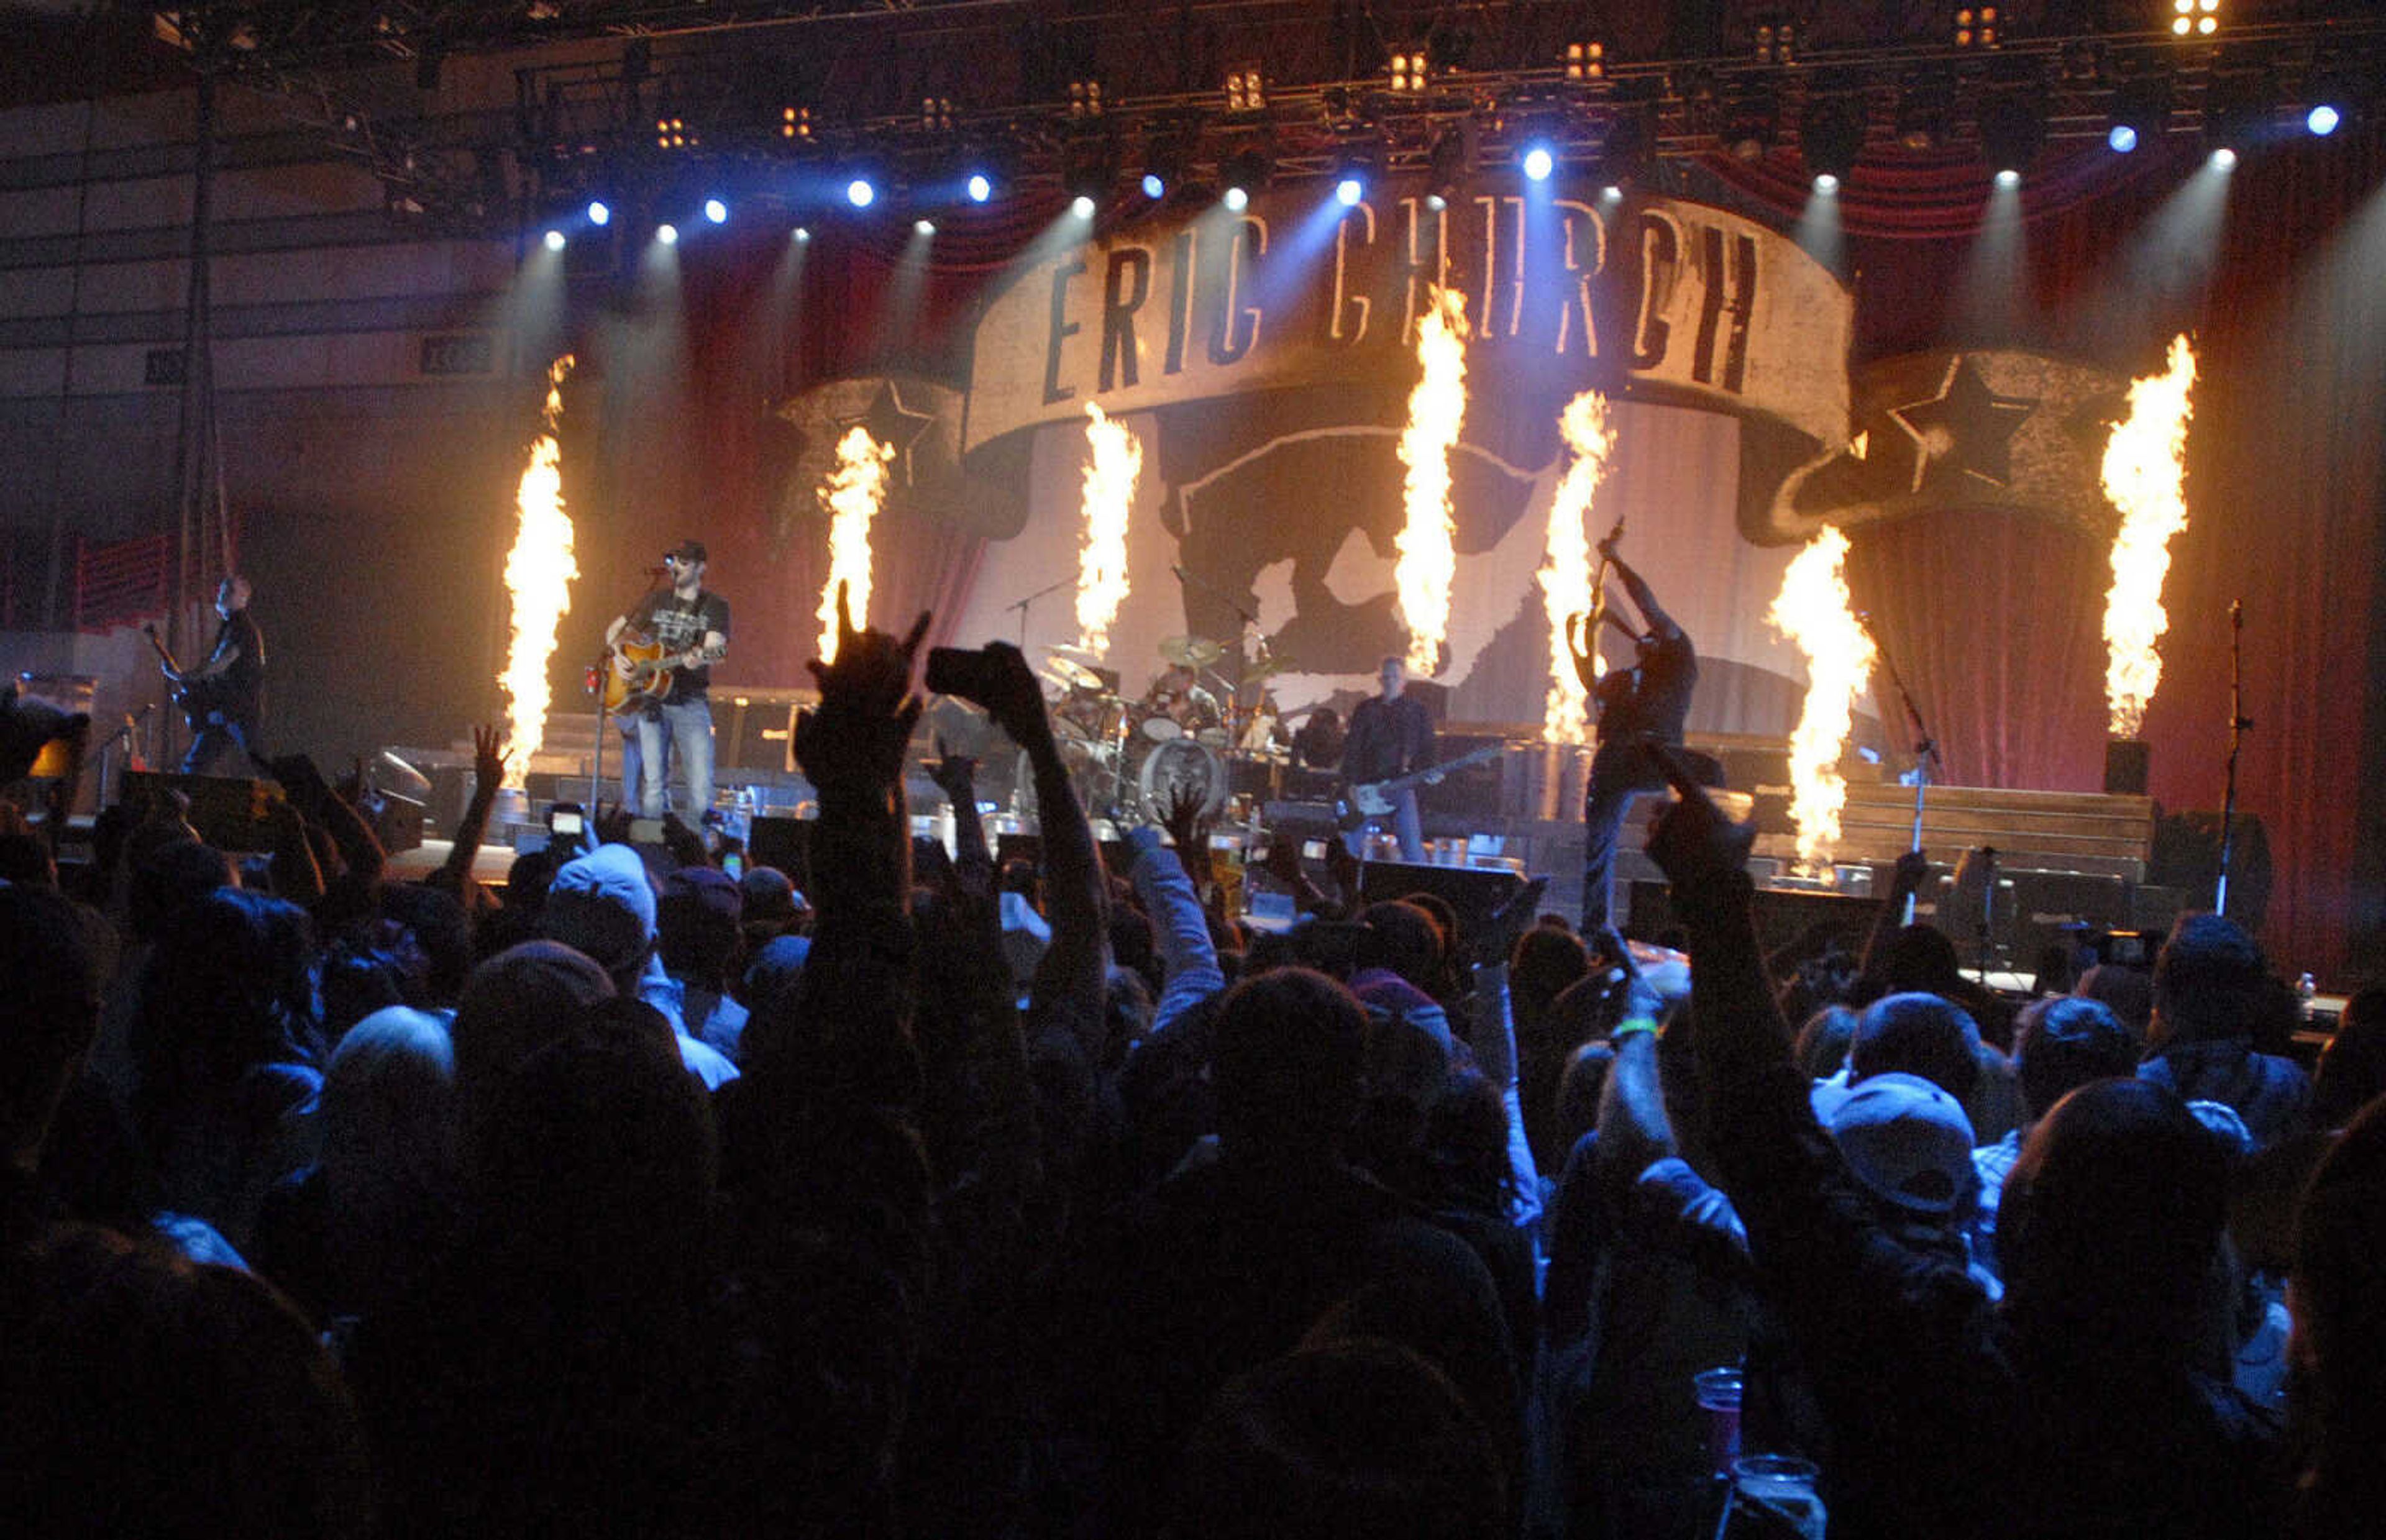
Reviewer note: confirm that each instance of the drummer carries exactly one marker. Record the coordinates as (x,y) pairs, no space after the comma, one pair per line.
(1177,695)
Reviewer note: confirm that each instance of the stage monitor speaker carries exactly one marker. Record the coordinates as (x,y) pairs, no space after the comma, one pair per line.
(399,827)
(783,843)
(1475,896)
(231,812)
(1783,915)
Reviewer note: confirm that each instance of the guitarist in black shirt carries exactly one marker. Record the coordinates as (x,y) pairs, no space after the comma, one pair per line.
(224,697)
(668,645)
(1649,702)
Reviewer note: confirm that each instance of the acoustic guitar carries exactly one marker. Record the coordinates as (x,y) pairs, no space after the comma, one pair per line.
(636,674)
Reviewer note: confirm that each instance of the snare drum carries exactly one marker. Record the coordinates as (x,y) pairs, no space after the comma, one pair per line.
(1159,730)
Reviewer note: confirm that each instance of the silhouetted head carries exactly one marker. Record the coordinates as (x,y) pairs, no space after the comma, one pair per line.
(1288,1063)
(2339,1289)
(2065,1043)
(2207,981)
(1920,1035)
(1357,1440)
(2352,1069)
(2111,1222)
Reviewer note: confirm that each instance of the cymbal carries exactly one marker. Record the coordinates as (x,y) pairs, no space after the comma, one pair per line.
(1191,652)
(1081,655)
(1274,664)
(1074,672)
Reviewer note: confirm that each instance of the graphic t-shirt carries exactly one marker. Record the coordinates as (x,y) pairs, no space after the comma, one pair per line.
(681,625)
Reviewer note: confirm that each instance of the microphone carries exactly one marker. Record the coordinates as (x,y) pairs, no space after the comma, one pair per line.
(2237,614)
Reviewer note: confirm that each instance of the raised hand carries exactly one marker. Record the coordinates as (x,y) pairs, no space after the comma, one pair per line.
(1693,843)
(854,741)
(1913,870)
(612,823)
(1182,818)
(489,755)
(955,775)
(1015,699)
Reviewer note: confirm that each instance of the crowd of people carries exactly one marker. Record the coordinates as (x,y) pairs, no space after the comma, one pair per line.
(949,1198)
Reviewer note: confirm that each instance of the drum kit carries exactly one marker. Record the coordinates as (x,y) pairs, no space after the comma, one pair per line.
(1131,759)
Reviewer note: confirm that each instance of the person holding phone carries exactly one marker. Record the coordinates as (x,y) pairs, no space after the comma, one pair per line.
(691,623)
(1646,704)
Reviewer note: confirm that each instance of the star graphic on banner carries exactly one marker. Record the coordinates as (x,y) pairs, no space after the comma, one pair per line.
(1965,428)
(891,424)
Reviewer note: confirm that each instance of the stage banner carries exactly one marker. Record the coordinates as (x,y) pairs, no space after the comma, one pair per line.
(1651,297)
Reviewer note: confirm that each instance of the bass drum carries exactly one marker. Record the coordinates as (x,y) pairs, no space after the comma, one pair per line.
(1182,765)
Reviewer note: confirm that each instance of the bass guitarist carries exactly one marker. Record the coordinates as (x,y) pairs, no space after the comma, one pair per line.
(1391,734)
(223,697)
(681,631)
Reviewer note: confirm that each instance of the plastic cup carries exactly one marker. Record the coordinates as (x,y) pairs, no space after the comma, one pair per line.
(1718,1395)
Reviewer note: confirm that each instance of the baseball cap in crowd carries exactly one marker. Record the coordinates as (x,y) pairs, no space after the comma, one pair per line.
(1906,1140)
(686,550)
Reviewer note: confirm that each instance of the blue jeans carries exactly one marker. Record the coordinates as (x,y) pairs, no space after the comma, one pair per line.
(685,726)
(1406,824)
(633,761)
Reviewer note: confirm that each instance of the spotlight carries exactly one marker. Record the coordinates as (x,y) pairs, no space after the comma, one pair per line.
(599,214)
(2194,17)
(1826,183)
(1436,202)
(667,234)
(2123,139)
(717,211)
(1540,163)
(981,187)
(924,227)
(1246,89)
(1153,187)
(2224,160)
(2323,120)
(2009,178)
(554,240)
(1348,191)
(1612,192)
(860,193)
(1238,200)
(1082,206)
(799,235)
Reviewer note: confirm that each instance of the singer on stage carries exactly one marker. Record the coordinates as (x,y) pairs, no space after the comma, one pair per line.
(1649,702)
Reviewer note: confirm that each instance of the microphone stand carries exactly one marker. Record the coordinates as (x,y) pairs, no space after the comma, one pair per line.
(2239,723)
(1021,606)
(1926,748)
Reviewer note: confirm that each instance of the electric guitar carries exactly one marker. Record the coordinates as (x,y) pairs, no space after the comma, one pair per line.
(202,701)
(1366,799)
(636,674)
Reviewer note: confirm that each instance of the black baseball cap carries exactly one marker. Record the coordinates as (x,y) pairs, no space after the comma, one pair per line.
(686,550)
